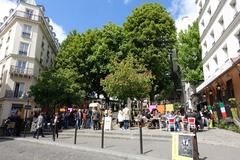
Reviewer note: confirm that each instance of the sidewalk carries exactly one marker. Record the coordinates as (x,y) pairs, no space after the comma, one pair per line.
(213,136)
(215,144)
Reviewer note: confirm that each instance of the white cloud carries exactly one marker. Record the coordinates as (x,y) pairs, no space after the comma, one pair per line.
(60,33)
(6,5)
(185,12)
(126,1)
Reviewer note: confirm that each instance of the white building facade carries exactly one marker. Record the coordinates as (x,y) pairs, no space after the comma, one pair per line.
(27,46)
(219,27)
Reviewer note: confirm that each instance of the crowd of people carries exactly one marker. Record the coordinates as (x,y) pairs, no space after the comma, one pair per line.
(92,118)
(154,120)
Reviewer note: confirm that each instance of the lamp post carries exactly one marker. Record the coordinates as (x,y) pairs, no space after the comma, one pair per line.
(140,130)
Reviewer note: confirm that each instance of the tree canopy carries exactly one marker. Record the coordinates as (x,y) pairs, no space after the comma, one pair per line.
(189,54)
(150,37)
(128,79)
(57,87)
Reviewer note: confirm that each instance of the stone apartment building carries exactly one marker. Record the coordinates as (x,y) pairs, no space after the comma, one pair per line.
(27,46)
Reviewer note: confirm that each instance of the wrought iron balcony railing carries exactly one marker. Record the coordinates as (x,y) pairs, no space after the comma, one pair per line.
(19,71)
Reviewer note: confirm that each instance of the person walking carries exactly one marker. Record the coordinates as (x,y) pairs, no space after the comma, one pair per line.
(56,123)
(39,124)
(126,117)
(120,118)
(79,116)
(88,121)
(95,118)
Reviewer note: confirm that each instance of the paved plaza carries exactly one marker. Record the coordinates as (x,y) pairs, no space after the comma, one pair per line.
(214,144)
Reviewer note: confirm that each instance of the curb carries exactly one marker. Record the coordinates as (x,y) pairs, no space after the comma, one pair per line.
(101,151)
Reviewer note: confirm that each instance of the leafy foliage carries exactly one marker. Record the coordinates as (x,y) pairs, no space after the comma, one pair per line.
(128,79)
(189,55)
(57,87)
(89,55)
(150,37)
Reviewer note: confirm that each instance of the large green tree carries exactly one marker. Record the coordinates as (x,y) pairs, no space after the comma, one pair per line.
(57,87)
(89,55)
(128,79)
(189,54)
(150,37)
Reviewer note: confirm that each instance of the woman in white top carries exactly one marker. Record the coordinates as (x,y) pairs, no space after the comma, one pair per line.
(120,118)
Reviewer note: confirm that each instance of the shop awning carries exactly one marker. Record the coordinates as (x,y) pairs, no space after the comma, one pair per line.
(226,66)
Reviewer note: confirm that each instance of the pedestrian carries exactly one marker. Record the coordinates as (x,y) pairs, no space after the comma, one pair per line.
(88,121)
(95,118)
(56,123)
(79,118)
(84,118)
(120,118)
(39,127)
(126,117)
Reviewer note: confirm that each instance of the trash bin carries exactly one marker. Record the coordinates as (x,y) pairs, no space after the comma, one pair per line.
(184,146)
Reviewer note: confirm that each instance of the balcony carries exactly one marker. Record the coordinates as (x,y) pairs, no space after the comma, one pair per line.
(12,94)
(22,53)
(26,34)
(21,72)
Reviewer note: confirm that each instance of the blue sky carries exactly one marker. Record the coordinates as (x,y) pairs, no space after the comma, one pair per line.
(66,15)
(84,14)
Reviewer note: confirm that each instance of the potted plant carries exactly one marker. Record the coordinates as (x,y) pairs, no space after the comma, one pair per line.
(234,105)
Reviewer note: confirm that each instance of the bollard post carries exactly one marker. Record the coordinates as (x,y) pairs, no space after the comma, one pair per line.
(75,135)
(195,143)
(141,141)
(102,144)
(53,130)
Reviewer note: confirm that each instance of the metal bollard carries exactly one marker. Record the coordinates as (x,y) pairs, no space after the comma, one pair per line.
(141,141)
(102,144)
(75,135)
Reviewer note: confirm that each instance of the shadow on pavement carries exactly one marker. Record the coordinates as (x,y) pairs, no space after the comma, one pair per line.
(3,139)
(203,158)
(148,151)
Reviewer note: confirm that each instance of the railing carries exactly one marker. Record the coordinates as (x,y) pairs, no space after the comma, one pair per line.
(26,34)
(12,94)
(15,70)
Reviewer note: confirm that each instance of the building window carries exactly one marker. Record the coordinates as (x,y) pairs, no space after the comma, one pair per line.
(1,42)
(27,29)
(23,50)
(9,34)
(230,90)
(209,11)
(212,35)
(21,66)
(215,60)
(205,44)
(208,69)
(233,4)
(203,23)
(225,49)
(237,35)
(6,52)
(19,89)
(221,22)
(29,13)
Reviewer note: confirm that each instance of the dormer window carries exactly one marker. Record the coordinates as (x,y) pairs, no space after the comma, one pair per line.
(29,13)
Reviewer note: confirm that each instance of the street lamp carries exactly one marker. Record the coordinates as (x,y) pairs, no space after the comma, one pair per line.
(26,107)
